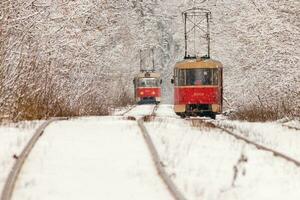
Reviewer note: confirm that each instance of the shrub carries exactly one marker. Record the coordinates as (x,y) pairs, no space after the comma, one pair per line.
(266,111)
(124,99)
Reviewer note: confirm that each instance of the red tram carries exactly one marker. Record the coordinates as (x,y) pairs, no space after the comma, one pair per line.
(198,81)
(147,88)
(198,87)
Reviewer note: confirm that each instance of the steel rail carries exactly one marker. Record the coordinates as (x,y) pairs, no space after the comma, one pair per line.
(12,178)
(153,113)
(291,127)
(172,188)
(258,146)
(127,111)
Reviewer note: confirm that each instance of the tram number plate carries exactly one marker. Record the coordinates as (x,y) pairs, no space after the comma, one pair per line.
(198,94)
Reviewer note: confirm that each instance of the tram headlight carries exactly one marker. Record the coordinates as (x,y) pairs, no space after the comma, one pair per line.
(216,108)
(153,93)
(141,93)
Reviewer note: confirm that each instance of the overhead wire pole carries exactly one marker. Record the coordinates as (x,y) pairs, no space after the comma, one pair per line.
(194,22)
(185,36)
(208,35)
(191,15)
(153,66)
(141,60)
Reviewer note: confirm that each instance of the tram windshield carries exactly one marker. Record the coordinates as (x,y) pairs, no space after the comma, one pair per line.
(148,82)
(186,77)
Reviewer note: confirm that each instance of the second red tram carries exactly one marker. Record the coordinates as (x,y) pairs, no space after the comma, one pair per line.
(147,88)
(198,87)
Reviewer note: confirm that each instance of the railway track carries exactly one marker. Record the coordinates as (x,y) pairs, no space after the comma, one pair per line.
(229,130)
(290,127)
(284,124)
(127,111)
(12,178)
(173,189)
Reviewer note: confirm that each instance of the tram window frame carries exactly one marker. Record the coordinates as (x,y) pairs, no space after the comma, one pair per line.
(182,80)
(153,78)
(175,76)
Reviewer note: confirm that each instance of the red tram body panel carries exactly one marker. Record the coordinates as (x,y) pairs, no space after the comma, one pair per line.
(198,87)
(147,88)
(149,92)
(197,95)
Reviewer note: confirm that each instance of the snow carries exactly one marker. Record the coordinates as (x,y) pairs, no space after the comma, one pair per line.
(91,158)
(293,123)
(107,158)
(208,164)
(13,138)
(79,55)
(270,134)
(120,111)
(141,110)
(166,110)
(89,49)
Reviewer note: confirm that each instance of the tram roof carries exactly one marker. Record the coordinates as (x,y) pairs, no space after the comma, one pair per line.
(198,63)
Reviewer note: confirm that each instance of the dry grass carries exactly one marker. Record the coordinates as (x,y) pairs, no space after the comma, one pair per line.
(202,124)
(123,100)
(148,118)
(34,103)
(131,118)
(265,111)
(38,94)
(43,105)
(39,107)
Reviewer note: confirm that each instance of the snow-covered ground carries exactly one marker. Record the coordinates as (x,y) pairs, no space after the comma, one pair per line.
(141,110)
(91,158)
(208,164)
(166,110)
(270,134)
(13,138)
(106,158)
(293,123)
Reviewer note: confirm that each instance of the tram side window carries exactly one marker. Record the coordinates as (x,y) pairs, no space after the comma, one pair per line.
(216,74)
(177,77)
(181,77)
(198,77)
